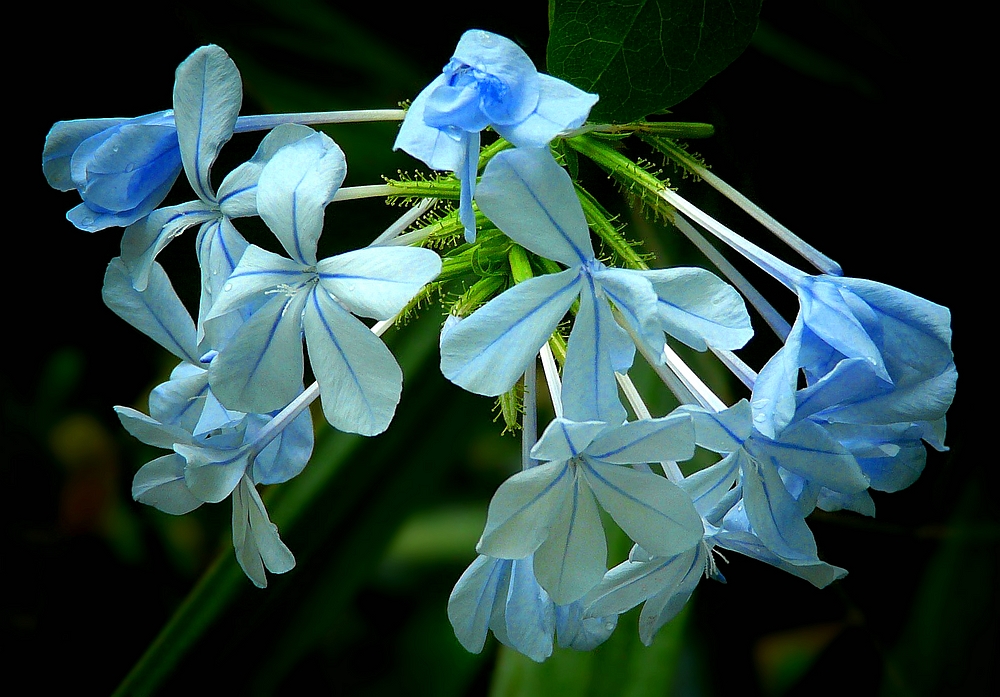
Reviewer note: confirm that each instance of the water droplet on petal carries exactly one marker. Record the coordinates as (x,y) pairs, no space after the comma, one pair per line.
(129,167)
(228,287)
(759,418)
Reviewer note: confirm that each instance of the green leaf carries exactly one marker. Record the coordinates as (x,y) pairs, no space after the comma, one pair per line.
(644,56)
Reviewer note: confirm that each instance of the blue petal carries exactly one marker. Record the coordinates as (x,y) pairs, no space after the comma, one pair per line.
(156,311)
(773,401)
(179,401)
(564,439)
(255,537)
(377,282)
(528,612)
(772,512)
(590,390)
(581,633)
(146,238)
(150,431)
(257,272)
(287,455)
(207,97)
(647,440)
(561,107)
(635,300)
(573,557)
(891,456)
(507,79)
(294,188)
(522,510)
(699,309)
(238,191)
(532,199)
(438,149)
(631,583)
(708,488)
(835,321)
(664,606)
(489,350)
(261,369)
(652,510)
(916,333)
(160,484)
(724,431)
(360,381)
(471,602)
(806,449)
(211,473)
(62,141)
(220,248)
(818,573)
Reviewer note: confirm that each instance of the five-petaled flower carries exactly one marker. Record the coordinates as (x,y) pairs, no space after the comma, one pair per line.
(490,81)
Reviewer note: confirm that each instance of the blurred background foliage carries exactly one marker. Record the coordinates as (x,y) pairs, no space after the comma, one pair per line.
(832,120)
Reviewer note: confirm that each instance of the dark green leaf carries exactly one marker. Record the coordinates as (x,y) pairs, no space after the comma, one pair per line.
(643,56)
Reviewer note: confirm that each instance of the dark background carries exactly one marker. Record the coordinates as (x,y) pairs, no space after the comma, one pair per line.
(854,123)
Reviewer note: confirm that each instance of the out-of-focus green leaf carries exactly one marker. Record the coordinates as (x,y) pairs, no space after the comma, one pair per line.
(644,56)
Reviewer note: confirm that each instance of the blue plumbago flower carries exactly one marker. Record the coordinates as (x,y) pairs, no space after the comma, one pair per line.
(532,199)
(904,340)
(550,510)
(503,596)
(217,452)
(664,584)
(759,474)
(490,81)
(122,168)
(207,97)
(261,368)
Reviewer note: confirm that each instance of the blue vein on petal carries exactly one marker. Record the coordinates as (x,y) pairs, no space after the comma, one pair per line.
(767,497)
(156,316)
(592,470)
(579,252)
(295,224)
(197,148)
(373,279)
(157,239)
(333,338)
(572,517)
(192,402)
(562,473)
(597,342)
(624,447)
(524,317)
(270,335)
(572,449)
(236,193)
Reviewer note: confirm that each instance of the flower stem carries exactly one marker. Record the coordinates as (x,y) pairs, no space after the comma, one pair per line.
(815,257)
(262,122)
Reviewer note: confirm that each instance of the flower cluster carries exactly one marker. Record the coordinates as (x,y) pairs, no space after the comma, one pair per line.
(863,379)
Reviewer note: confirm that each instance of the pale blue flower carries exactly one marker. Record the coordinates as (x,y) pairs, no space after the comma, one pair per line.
(902,340)
(122,168)
(772,481)
(216,452)
(551,510)
(503,596)
(490,81)
(532,199)
(261,367)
